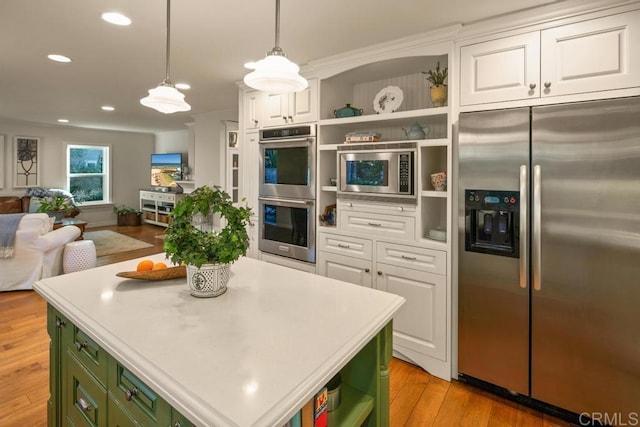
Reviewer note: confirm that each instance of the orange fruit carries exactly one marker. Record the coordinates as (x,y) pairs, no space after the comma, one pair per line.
(145,265)
(159,266)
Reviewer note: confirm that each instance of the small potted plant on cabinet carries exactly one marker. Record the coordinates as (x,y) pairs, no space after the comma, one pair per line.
(59,207)
(193,239)
(126,215)
(439,89)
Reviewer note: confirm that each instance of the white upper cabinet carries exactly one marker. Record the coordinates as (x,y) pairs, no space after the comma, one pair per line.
(588,56)
(291,108)
(591,56)
(252,107)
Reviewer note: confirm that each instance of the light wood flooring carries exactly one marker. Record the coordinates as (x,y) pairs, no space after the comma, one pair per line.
(416,398)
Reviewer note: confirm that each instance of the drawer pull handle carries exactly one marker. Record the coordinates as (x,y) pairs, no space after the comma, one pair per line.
(60,323)
(342,245)
(80,345)
(375,224)
(83,405)
(410,258)
(130,393)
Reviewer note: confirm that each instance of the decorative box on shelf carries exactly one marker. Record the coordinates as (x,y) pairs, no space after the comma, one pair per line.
(365,136)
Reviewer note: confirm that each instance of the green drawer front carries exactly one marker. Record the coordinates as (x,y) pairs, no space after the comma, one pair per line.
(89,354)
(178,420)
(140,401)
(119,416)
(86,399)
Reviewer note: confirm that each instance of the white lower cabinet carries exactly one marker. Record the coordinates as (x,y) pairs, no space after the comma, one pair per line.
(420,325)
(345,268)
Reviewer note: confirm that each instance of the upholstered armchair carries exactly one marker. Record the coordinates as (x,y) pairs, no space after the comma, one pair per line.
(38,252)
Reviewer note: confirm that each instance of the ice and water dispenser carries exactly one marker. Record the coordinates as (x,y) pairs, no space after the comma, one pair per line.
(492,220)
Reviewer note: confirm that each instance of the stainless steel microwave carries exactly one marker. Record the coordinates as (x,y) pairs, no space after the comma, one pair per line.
(377,172)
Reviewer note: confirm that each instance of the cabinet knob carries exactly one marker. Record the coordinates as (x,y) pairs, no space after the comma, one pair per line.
(366,270)
(130,393)
(80,345)
(547,85)
(532,86)
(379,273)
(255,122)
(291,118)
(83,405)
(284,118)
(177,424)
(60,323)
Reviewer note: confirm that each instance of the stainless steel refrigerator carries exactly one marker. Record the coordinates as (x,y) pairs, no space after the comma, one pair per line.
(549,254)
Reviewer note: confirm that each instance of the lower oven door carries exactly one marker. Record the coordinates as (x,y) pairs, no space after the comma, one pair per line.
(287,228)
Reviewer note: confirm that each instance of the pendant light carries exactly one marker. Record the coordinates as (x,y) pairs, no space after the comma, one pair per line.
(275,73)
(166,98)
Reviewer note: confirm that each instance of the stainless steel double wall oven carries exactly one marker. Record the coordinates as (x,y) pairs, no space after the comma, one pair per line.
(287,192)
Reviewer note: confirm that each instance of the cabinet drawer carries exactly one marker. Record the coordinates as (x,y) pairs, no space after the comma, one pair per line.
(136,398)
(381,208)
(422,259)
(345,245)
(399,227)
(88,353)
(149,195)
(85,399)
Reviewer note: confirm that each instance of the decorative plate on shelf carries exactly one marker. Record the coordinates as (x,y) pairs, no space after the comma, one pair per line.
(388,100)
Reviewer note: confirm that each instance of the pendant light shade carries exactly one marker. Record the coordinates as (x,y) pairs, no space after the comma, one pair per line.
(166,98)
(275,73)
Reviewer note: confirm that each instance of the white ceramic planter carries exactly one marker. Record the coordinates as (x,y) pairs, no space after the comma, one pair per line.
(210,280)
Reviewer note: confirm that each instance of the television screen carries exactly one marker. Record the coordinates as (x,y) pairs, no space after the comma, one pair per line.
(166,169)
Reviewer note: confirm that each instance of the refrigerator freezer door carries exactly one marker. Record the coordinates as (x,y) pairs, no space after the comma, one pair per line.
(493,335)
(585,354)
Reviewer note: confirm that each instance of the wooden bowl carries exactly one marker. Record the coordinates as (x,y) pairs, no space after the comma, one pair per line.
(163,274)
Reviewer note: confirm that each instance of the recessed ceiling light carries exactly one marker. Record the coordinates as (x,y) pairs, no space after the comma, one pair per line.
(251,65)
(116,18)
(63,120)
(59,58)
(107,108)
(183,86)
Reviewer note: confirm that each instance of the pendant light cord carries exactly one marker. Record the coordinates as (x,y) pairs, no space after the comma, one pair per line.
(167,80)
(277,23)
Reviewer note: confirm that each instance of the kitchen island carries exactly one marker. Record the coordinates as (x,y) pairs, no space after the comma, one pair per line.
(149,352)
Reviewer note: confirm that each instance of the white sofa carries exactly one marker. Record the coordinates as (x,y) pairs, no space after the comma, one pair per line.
(37,252)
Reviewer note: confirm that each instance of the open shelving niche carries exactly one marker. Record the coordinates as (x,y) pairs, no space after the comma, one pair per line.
(358,87)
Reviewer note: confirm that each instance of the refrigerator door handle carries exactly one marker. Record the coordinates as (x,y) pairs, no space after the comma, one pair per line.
(536,229)
(524,234)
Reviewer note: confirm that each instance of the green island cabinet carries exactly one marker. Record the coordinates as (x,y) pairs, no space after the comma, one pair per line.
(91,388)
(125,353)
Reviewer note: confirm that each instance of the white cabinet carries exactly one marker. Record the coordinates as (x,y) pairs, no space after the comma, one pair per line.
(252,108)
(156,206)
(345,268)
(250,161)
(589,56)
(291,108)
(419,327)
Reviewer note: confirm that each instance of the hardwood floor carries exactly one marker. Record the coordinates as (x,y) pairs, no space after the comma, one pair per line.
(416,398)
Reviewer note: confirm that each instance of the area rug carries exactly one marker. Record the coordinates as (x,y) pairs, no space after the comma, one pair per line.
(109,242)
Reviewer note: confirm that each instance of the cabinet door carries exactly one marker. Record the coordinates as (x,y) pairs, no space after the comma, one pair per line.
(420,324)
(347,269)
(276,109)
(303,104)
(596,55)
(251,110)
(249,172)
(500,70)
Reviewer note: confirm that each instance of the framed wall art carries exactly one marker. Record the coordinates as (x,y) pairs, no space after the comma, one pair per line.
(26,162)
(2,165)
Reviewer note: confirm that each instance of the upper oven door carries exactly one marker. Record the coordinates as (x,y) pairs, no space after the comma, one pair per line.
(288,168)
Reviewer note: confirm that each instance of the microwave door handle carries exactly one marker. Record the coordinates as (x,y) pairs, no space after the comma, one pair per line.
(296,202)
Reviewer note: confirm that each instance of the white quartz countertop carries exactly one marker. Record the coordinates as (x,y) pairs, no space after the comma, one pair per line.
(250,357)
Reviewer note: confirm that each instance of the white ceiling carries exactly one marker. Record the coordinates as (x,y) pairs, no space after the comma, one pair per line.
(210,42)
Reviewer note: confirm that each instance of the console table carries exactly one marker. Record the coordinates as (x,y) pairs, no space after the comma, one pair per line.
(77,222)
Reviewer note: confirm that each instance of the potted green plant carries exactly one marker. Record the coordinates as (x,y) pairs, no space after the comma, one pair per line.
(127,216)
(58,206)
(438,89)
(192,239)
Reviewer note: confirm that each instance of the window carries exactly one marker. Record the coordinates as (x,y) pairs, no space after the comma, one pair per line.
(88,170)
